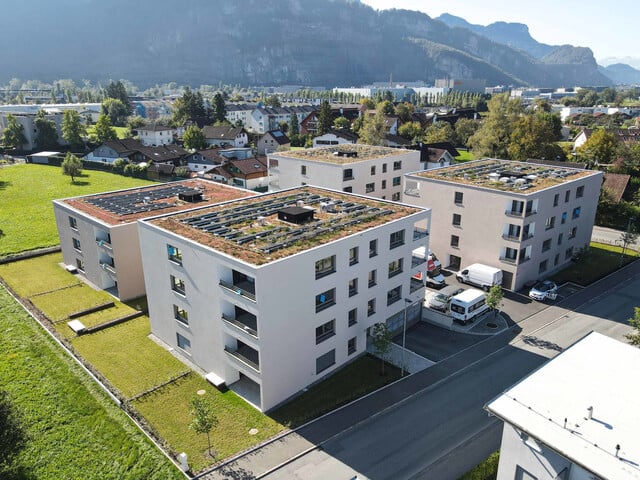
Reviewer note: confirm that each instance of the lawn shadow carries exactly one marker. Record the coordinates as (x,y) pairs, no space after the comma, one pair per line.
(4,184)
(81,183)
(236,473)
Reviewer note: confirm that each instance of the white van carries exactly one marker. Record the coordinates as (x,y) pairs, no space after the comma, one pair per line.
(467,305)
(480,275)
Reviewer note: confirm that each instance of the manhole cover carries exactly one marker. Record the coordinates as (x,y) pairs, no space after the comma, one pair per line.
(492,325)
(201,392)
(253,431)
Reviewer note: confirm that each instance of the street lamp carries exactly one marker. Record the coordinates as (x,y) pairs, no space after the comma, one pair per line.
(407,303)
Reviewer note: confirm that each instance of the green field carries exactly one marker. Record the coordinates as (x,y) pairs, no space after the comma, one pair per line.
(75,431)
(26,192)
(122,132)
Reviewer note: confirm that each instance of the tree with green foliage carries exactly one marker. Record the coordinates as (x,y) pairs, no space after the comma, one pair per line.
(190,105)
(404,111)
(439,132)
(381,338)
(47,134)
(602,147)
(73,130)
(373,130)
(534,136)
(194,138)
(411,131)
(325,119)
(117,90)
(103,131)
(13,437)
(386,107)
(493,137)
(342,123)
(219,113)
(135,122)
(294,126)
(203,420)
(272,101)
(116,110)
(634,337)
(464,129)
(494,298)
(13,135)
(368,103)
(71,166)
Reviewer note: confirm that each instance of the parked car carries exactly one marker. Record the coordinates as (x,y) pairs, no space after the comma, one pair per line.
(544,290)
(440,300)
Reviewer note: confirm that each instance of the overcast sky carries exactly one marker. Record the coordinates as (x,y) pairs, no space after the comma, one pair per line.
(609,28)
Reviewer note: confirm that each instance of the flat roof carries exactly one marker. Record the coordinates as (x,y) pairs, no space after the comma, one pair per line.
(343,154)
(595,372)
(507,175)
(130,205)
(250,230)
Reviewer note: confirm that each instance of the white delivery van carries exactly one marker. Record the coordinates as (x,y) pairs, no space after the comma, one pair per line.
(480,275)
(467,305)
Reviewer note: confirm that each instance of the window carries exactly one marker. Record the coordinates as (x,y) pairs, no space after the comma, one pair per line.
(373,169)
(455,241)
(525,254)
(576,213)
(550,223)
(180,314)
(347,189)
(73,223)
(457,219)
(177,285)
(397,165)
(580,192)
(347,174)
(568,253)
(567,196)
(528,230)
(353,256)
(396,239)
(303,169)
(384,168)
(395,267)
(372,278)
(546,245)
(395,197)
(556,259)
(183,343)
(351,346)
(384,184)
(325,331)
(371,307)
(394,295)
(373,248)
(517,208)
(457,198)
(325,361)
(80,264)
(513,231)
(326,266)
(76,244)
(560,239)
(511,254)
(325,300)
(353,317)
(175,254)
(369,187)
(397,181)
(353,287)
(530,209)
(556,199)
(542,267)
(573,232)
(563,218)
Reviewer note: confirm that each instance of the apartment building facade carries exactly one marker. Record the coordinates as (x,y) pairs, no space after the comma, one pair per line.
(99,233)
(361,169)
(271,294)
(528,219)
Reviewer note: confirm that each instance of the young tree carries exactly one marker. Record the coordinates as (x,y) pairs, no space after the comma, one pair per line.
(13,136)
(494,298)
(386,106)
(47,136)
(325,119)
(272,101)
(381,338)
(634,337)
(103,130)
(117,90)
(294,126)
(194,138)
(219,108)
(342,122)
(71,166)
(411,131)
(373,129)
(116,110)
(601,147)
(439,132)
(190,105)
(203,418)
(465,128)
(73,130)
(13,437)
(404,111)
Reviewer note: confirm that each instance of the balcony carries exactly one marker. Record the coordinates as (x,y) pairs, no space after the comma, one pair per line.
(513,213)
(415,285)
(417,261)
(246,355)
(412,192)
(108,267)
(510,261)
(419,233)
(104,244)
(524,259)
(530,212)
(244,288)
(245,321)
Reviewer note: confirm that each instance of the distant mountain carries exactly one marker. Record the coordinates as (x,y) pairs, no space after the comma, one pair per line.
(631,61)
(261,42)
(622,74)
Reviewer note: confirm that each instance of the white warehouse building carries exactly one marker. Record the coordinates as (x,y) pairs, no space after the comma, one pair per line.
(273,293)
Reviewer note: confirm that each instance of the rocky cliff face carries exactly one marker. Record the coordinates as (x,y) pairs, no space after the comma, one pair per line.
(258,42)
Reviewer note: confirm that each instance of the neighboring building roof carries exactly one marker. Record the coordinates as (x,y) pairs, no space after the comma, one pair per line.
(222,132)
(506,175)
(126,206)
(343,154)
(154,128)
(444,145)
(615,183)
(551,406)
(397,140)
(342,133)
(278,136)
(248,166)
(164,153)
(250,230)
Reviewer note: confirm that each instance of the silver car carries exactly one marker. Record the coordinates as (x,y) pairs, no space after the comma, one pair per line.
(544,290)
(440,300)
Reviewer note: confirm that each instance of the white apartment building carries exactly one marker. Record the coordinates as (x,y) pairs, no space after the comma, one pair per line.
(526,218)
(155,135)
(99,233)
(28,122)
(362,169)
(575,418)
(273,293)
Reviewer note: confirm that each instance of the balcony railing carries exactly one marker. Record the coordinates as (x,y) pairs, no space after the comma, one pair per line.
(513,213)
(108,267)
(412,192)
(530,212)
(238,290)
(415,261)
(511,238)
(415,285)
(236,322)
(419,233)
(524,259)
(104,244)
(241,355)
(393,299)
(511,261)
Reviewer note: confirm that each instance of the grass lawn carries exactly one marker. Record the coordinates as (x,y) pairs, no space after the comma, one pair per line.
(122,132)
(128,358)
(465,156)
(74,430)
(37,275)
(26,216)
(59,304)
(167,409)
(599,261)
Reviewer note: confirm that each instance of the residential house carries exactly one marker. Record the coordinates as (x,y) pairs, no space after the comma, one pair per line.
(272,294)
(528,219)
(249,173)
(574,418)
(224,136)
(264,119)
(99,233)
(204,160)
(335,137)
(627,136)
(155,135)
(134,151)
(396,141)
(272,141)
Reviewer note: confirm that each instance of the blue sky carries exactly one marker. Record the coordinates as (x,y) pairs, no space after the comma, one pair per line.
(608,28)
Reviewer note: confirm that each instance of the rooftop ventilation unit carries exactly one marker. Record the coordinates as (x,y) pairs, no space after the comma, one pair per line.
(190,196)
(297,215)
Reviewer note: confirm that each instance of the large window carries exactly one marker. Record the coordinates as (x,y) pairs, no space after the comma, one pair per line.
(396,239)
(550,223)
(455,241)
(326,266)
(353,256)
(542,267)
(177,285)
(457,198)
(576,213)
(73,223)
(347,174)
(395,267)
(371,307)
(580,192)
(397,165)
(395,197)
(373,169)
(353,317)
(76,244)
(80,264)
(546,245)
(351,346)
(457,219)
(353,287)
(325,361)
(180,314)
(573,232)
(510,254)
(183,342)
(325,331)
(394,295)
(325,300)
(373,248)
(174,253)
(372,278)
(397,181)
(369,187)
